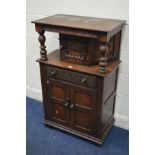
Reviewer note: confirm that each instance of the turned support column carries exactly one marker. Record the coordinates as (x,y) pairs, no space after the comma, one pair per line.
(103,59)
(43,52)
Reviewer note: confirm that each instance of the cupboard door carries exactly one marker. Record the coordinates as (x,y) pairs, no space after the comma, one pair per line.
(82,109)
(59,100)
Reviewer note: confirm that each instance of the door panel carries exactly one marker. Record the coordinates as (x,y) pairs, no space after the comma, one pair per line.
(82,99)
(59,113)
(58,94)
(82,121)
(82,113)
(72,106)
(58,90)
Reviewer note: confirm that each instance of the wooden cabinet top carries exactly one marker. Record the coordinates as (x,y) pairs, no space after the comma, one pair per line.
(80,22)
(54,60)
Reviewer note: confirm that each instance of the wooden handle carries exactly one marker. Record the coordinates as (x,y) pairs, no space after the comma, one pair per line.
(84,80)
(67,102)
(71,106)
(53,73)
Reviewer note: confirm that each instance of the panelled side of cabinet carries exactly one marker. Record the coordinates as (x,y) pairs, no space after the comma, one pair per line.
(109,92)
(46,104)
(106,89)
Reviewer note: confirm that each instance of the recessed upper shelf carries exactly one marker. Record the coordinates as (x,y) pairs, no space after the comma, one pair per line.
(81,22)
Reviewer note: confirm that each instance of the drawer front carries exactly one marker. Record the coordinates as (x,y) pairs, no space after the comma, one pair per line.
(71,76)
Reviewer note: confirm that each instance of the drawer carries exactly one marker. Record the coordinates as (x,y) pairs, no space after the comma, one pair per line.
(71,76)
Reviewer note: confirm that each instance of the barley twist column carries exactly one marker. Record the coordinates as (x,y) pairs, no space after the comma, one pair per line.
(43,51)
(103,59)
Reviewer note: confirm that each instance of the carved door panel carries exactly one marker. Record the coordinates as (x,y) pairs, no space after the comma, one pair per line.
(82,109)
(58,93)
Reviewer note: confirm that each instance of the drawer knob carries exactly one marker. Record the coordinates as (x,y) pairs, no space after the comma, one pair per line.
(84,80)
(71,106)
(53,73)
(66,104)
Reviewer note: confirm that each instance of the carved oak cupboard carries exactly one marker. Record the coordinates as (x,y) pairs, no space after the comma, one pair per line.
(79,80)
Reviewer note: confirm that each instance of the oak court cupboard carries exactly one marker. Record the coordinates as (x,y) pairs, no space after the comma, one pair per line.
(79,79)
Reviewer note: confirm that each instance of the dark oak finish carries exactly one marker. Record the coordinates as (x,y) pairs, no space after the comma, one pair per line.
(85,80)
(42,40)
(89,51)
(94,33)
(79,80)
(103,58)
(82,107)
(81,22)
(54,60)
